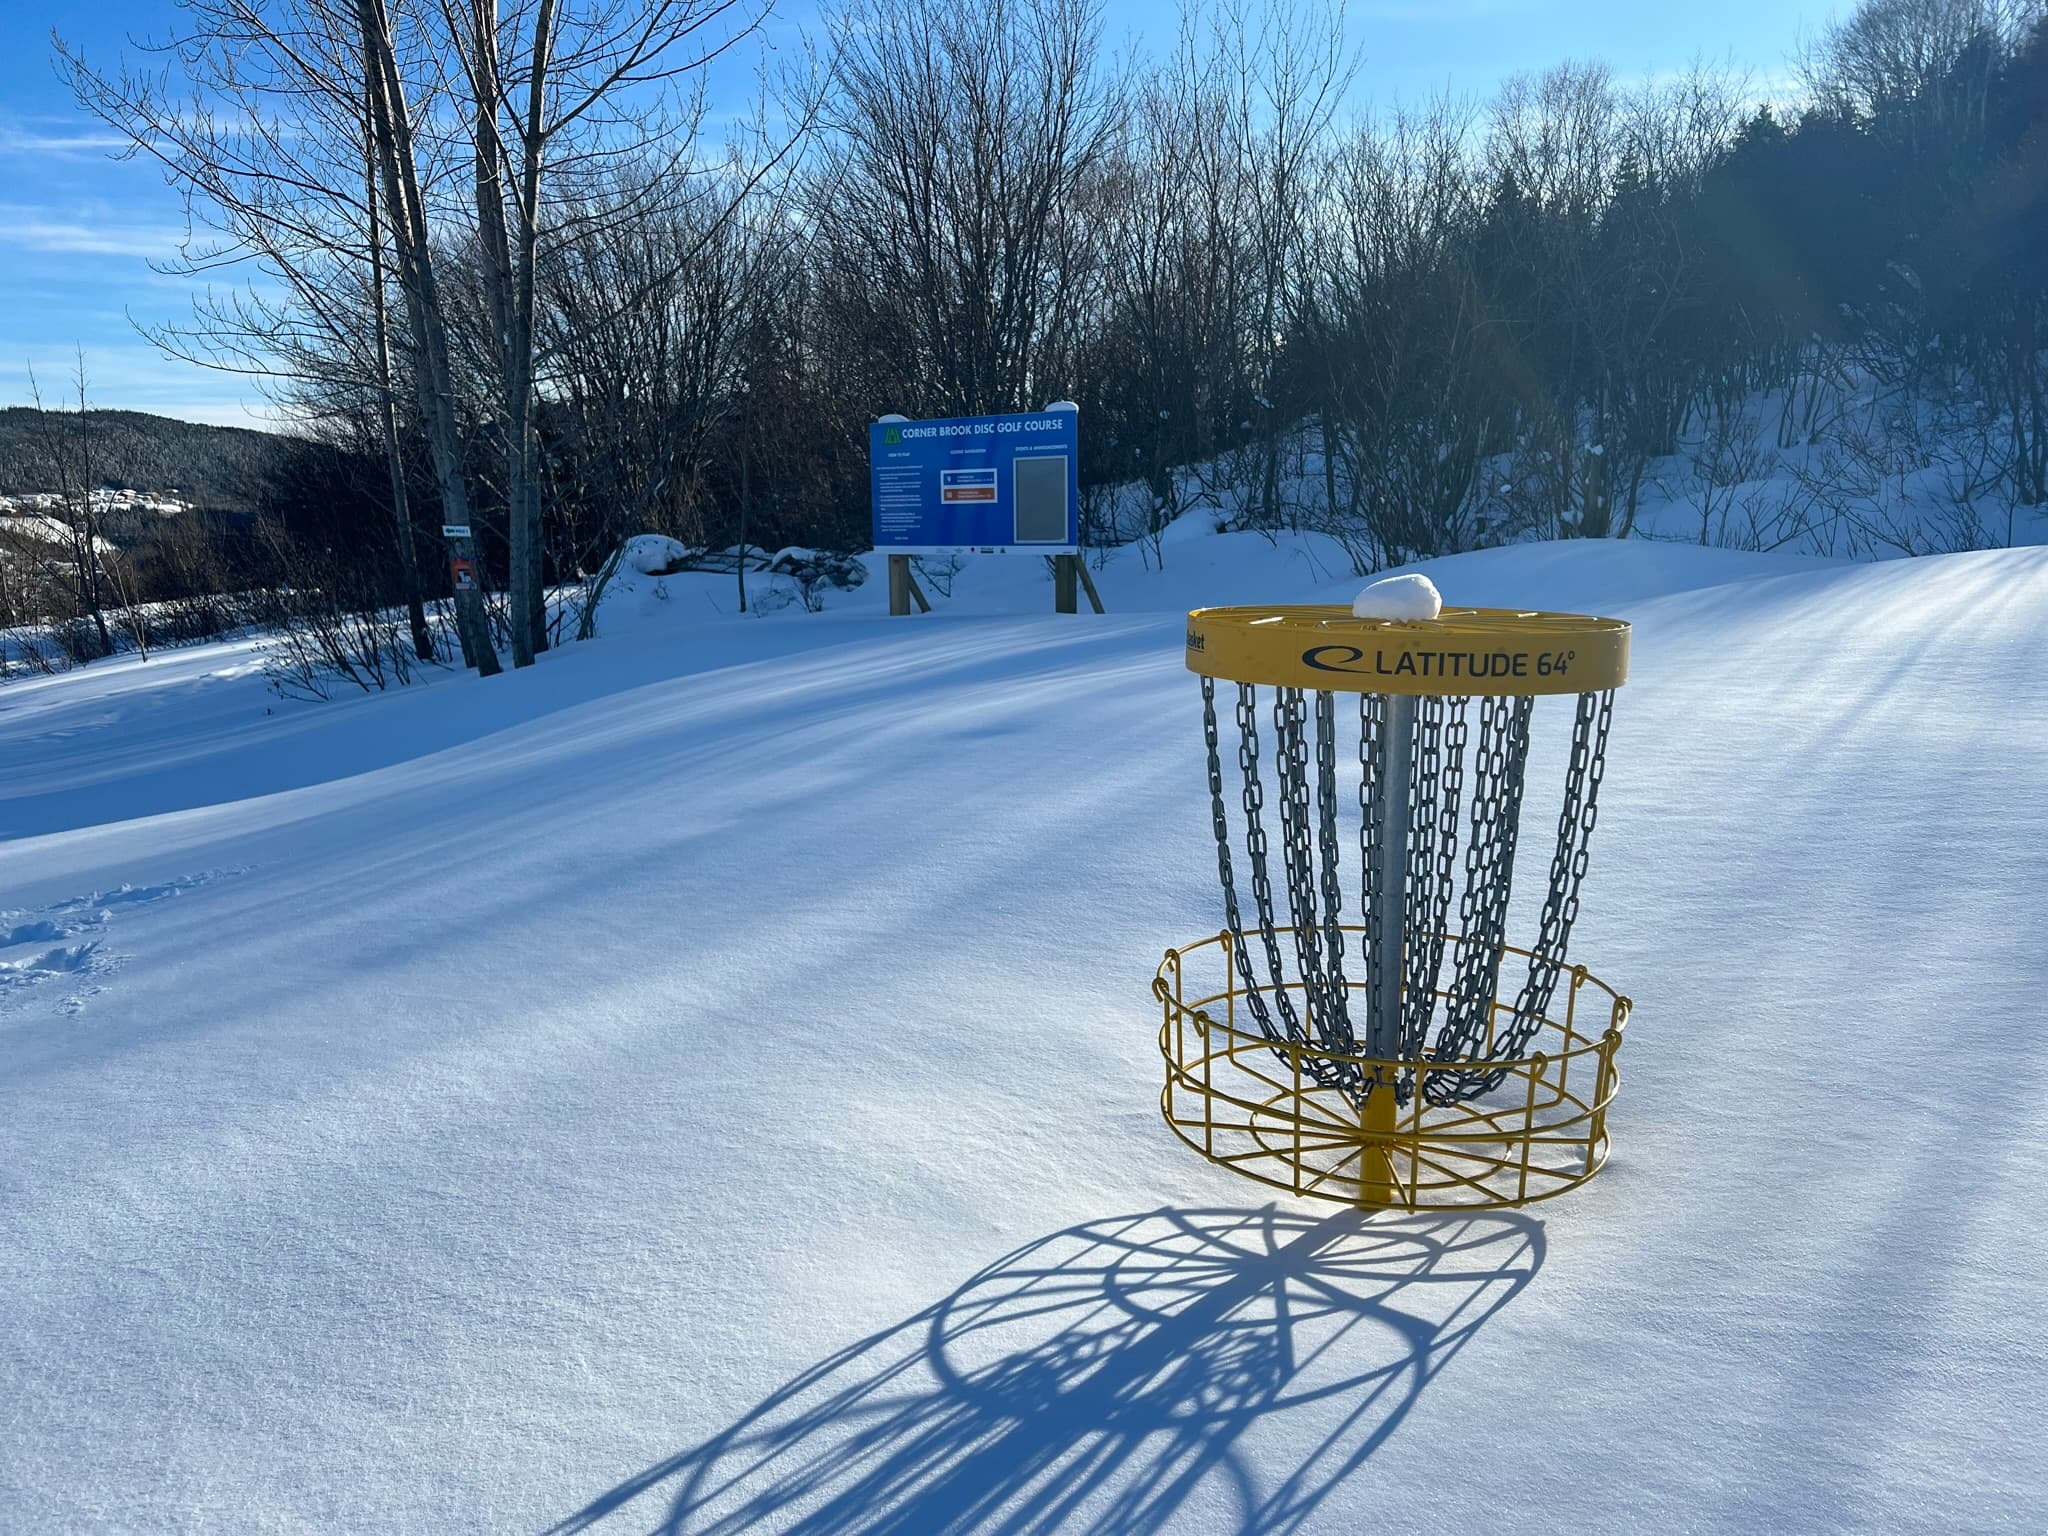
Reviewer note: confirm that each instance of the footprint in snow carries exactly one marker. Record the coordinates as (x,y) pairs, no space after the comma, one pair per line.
(34,948)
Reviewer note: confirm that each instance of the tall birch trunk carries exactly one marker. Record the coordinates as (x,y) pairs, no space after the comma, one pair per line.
(387,411)
(431,371)
(495,243)
(526,482)
(509,290)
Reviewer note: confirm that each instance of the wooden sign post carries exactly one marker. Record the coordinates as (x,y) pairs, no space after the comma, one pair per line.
(1066,571)
(903,588)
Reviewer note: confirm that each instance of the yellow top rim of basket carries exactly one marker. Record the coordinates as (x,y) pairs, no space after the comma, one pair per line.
(1463,651)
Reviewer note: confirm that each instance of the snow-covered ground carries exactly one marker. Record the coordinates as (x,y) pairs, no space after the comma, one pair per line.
(707,1083)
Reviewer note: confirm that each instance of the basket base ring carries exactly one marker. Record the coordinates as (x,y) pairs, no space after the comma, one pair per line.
(1258,1106)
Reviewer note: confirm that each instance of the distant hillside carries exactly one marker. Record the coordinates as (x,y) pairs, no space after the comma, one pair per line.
(213,467)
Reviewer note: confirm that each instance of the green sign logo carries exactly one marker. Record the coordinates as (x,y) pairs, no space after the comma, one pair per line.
(892,434)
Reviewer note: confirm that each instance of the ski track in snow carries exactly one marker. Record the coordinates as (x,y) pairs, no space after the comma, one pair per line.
(707,1083)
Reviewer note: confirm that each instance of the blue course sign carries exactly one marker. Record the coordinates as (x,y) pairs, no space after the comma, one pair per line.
(992,483)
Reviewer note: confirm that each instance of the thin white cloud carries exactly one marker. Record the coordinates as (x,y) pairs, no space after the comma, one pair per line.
(38,227)
(16,140)
(132,375)
(57,135)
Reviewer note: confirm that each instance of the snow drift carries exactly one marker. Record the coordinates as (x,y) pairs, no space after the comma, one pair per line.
(706,1082)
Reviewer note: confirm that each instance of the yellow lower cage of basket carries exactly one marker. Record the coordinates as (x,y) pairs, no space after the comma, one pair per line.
(1257,1106)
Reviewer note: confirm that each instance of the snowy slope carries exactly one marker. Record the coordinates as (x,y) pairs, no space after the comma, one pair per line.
(706,1083)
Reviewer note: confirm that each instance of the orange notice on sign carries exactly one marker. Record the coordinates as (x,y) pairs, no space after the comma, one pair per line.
(464,572)
(958,485)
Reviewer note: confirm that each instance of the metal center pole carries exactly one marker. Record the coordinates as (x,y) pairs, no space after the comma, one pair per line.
(1390,855)
(1379,1182)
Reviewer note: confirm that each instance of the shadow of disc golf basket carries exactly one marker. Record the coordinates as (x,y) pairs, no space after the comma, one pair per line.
(1403,1059)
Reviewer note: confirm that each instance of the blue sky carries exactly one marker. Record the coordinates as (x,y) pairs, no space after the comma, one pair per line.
(78,229)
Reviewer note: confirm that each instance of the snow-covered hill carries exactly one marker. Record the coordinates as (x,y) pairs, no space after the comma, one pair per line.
(707,1083)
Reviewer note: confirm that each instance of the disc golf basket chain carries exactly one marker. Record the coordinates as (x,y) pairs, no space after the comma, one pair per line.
(1398,1060)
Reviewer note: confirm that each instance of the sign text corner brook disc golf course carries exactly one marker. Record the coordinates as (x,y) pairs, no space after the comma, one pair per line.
(987,483)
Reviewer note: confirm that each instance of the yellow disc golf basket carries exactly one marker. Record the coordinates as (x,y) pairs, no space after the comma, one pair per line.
(1399,1060)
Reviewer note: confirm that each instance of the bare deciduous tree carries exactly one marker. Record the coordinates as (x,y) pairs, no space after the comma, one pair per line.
(69,455)
(963,140)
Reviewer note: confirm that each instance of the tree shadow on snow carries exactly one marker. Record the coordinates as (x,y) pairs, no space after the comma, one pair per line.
(1103,1377)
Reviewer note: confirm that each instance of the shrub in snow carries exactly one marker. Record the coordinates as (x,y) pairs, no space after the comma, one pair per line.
(815,571)
(320,643)
(621,580)
(938,571)
(820,566)
(651,554)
